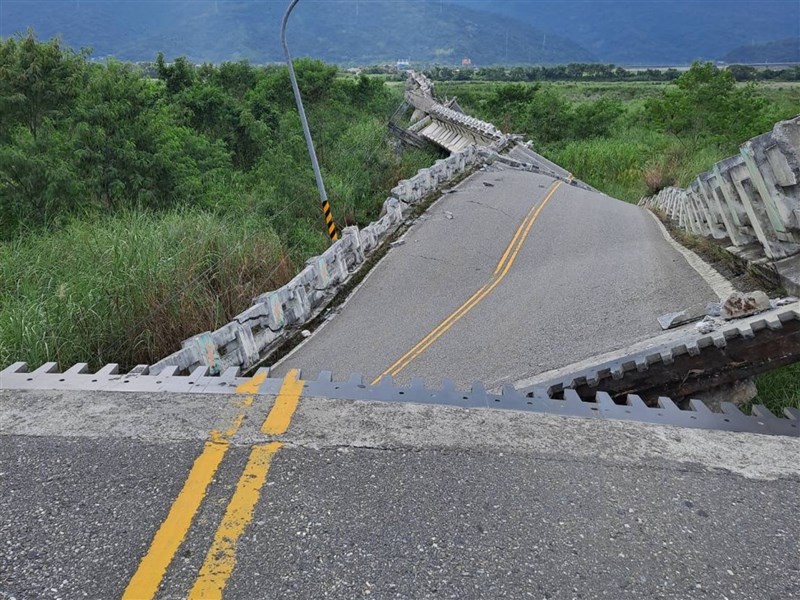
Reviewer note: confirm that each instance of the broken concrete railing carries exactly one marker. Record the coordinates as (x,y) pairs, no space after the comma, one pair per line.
(411,191)
(444,126)
(266,325)
(751,200)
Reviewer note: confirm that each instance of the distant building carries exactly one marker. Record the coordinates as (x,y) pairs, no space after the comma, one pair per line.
(466,62)
(403,65)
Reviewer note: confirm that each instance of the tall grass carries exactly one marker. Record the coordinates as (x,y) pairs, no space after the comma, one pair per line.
(128,288)
(780,388)
(622,165)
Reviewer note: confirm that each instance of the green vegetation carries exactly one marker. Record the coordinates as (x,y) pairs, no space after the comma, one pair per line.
(135,212)
(780,389)
(586,72)
(630,140)
(125,288)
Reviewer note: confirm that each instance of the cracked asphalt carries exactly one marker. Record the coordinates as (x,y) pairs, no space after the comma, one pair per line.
(593,275)
(388,501)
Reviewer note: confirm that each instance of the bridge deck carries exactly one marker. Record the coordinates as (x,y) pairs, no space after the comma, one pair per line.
(592,275)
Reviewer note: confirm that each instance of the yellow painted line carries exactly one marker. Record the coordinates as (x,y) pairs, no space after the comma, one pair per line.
(503,267)
(170,535)
(513,241)
(278,419)
(221,557)
(504,264)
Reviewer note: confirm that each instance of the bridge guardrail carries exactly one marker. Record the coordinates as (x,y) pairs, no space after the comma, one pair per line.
(444,126)
(265,325)
(752,199)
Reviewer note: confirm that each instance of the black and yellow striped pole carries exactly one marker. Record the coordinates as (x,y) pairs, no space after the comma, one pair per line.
(333,232)
(329,223)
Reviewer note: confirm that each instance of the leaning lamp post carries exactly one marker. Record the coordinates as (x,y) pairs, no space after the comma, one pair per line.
(326,206)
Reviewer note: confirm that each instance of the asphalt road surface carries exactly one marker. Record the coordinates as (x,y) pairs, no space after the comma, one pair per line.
(586,274)
(255,495)
(370,500)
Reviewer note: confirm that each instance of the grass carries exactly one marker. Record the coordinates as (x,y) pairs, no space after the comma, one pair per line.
(780,389)
(123,289)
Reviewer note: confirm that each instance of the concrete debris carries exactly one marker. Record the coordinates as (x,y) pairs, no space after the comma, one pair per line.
(397,243)
(740,305)
(688,315)
(714,309)
(707,325)
(448,214)
(305,333)
(671,320)
(783,301)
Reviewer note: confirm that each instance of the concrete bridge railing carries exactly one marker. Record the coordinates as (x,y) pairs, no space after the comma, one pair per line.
(267,323)
(443,125)
(751,200)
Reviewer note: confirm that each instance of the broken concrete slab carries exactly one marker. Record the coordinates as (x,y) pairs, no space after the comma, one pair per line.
(682,362)
(676,319)
(739,305)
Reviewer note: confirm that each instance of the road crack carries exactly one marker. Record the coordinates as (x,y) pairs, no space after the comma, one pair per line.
(491,207)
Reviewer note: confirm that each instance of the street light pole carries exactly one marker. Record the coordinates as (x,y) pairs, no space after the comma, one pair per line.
(333,232)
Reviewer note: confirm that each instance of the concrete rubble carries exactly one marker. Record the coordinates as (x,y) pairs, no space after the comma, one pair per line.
(740,305)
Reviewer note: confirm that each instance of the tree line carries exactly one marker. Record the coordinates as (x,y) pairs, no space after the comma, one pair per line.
(597,72)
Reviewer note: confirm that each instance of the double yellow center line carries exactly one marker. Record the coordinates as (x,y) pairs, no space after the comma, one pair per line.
(221,557)
(502,269)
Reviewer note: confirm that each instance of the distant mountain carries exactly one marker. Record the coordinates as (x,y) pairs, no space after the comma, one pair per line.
(345,32)
(655,32)
(782,51)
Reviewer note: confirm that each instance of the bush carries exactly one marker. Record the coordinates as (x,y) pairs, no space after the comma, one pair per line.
(705,101)
(135,213)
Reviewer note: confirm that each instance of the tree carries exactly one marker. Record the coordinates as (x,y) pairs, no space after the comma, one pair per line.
(37,81)
(108,116)
(743,72)
(38,181)
(548,116)
(177,76)
(595,119)
(705,101)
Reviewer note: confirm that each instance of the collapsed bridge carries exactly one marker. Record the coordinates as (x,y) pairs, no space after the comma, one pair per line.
(579,275)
